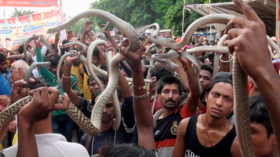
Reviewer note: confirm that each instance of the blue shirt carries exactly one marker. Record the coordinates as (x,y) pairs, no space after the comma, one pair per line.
(5,84)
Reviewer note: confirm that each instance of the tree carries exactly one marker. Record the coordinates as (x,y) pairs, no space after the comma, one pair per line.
(76,27)
(20,12)
(174,15)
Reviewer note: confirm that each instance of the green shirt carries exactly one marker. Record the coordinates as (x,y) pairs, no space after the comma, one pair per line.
(51,79)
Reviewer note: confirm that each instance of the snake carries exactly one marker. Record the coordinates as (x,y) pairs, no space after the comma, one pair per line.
(241,105)
(73,112)
(188,56)
(82,27)
(127,29)
(58,43)
(117,122)
(89,61)
(84,46)
(31,67)
(49,47)
(217,55)
(26,44)
(61,60)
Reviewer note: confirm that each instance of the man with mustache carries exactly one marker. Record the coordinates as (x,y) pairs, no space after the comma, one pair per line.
(170,90)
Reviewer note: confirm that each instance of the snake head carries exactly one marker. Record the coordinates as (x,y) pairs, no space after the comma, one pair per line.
(51,30)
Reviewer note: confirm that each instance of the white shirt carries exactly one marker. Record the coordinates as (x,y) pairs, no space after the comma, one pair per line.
(52,145)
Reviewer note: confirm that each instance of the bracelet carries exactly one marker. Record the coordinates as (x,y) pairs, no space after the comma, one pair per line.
(139,87)
(230,56)
(141,96)
(65,76)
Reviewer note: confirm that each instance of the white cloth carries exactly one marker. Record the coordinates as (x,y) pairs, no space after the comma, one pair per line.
(35,73)
(34,59)
(52,145)
(44,49)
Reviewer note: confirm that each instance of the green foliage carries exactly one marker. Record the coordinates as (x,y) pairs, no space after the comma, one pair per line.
(76,27)
(167,13)
(20,12)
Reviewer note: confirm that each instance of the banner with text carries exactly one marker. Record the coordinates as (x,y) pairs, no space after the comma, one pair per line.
(15,31)
(29,3)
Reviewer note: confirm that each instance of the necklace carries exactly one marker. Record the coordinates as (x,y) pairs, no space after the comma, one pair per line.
(207,131)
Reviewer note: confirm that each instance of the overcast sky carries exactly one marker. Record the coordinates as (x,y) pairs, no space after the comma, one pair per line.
(70,7)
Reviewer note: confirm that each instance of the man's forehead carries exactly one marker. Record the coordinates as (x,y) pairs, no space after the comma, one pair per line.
(171,86)
(205,73)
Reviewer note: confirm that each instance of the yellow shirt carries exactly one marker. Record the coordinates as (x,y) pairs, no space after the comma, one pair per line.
(87,94)
(75,72)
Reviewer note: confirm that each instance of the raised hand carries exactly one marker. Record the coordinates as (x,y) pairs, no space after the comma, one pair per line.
(37,42)
(19,91)
(247,37)
(182,59)
(87,27)
(70,59)
(134,58)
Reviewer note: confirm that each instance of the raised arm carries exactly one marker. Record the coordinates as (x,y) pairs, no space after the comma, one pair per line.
(194,93)
(57,36)
(67,81)
(43,102)
(248,40)
(44,71)
(182,74)
(141,103)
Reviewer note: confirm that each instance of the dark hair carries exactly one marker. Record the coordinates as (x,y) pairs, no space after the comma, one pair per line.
(100,77)
(54,60)
(2,58)
(20,49)
(96,53)
(200,58)
(259,114)
(69,32)
(65,41)
(207,68)
(94,95)
(38,84)
(8,39)
(126,150)
(159,72)
(168,79)
(104,67)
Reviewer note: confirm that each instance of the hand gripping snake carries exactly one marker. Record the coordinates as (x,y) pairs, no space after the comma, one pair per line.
(73,112)
(241,105)
(84,46)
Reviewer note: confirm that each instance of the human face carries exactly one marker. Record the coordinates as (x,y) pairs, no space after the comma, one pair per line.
(93,86)
(200,39)
(16,74)
(76,62)
(170,96)
(7,43)
(207,61)
(262,144)
(95,60)
(108,112)
(3,67)
(220,100)
(205,79)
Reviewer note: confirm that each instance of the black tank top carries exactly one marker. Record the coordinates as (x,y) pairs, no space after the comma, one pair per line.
(195,149)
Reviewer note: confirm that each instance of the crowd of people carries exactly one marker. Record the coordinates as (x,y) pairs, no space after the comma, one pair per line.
(167,117)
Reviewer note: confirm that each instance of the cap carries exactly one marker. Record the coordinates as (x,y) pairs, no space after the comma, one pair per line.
(219,77)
